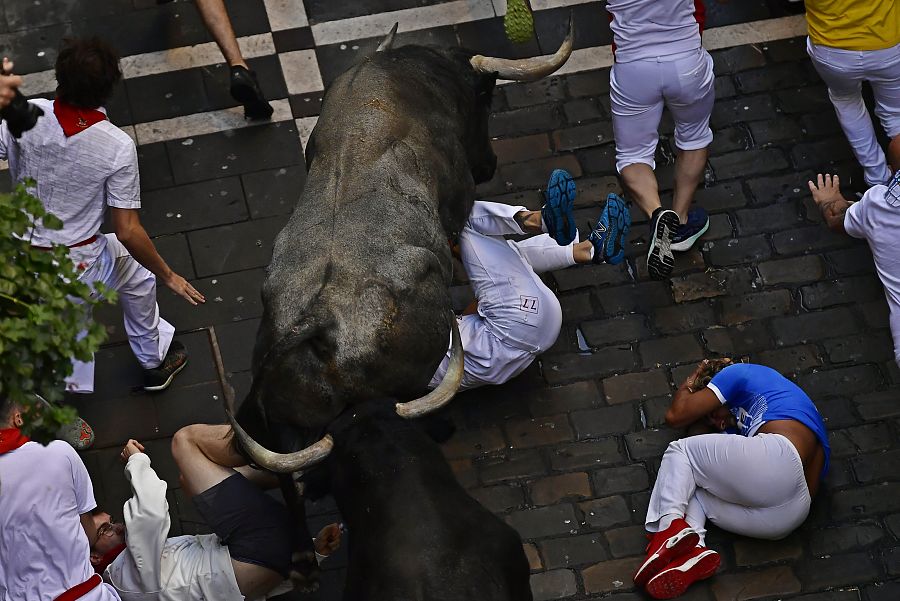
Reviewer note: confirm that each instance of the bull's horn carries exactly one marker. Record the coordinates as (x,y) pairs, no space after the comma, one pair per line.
(282,463)
(441,395)
(388,40)
(526,69)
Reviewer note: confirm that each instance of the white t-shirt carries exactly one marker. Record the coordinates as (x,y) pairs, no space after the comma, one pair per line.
(77,177)
(876,218)
(646,29)
(43,548)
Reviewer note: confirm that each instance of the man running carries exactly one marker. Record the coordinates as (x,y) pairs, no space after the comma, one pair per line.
(659,62)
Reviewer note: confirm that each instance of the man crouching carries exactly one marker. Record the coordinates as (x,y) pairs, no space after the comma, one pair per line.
(248,556)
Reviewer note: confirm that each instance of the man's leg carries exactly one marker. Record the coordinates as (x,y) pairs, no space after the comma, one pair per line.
(206,457)
(883,73)
(244,87)
(215,17)
(844,89)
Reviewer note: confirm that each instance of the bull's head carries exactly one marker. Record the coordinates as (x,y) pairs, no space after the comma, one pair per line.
(356,303)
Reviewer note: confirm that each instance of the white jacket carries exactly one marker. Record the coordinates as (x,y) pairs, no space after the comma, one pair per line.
(182,568)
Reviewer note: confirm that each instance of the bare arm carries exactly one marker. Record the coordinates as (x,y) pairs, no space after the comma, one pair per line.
(133,237)
(688,406)
(831,202)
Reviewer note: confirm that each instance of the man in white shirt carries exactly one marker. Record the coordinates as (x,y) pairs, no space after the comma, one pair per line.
(876,219)
(249,556)
(46,529)
(82,163)
(660,62)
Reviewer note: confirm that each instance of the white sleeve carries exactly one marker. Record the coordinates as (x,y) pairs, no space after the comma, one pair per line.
(81,479)
(858,216)
(146,520)
(123,186)
(5,138)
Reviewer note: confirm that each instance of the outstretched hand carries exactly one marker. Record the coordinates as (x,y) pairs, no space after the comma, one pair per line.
(184,289)
(827,190)
(131,447)
(8,83)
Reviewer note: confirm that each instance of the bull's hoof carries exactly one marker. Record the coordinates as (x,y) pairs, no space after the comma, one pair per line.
(305,571)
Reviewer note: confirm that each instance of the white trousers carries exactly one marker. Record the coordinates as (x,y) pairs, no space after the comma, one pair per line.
(148,334)
(750,486)
(843,71)
(640,89)
(518,316)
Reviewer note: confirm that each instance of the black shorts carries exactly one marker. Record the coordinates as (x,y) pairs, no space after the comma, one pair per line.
(255,527)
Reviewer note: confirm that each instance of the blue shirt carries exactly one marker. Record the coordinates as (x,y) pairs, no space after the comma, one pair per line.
(756,394)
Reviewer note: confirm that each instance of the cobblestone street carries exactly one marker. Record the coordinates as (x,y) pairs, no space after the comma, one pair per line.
(567,452)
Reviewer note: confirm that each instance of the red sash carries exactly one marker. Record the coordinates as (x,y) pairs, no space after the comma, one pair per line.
(108,558)
(11,439)
(73,119)
(80,590)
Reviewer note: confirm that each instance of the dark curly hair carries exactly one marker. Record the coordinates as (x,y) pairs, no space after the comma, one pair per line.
(86,72)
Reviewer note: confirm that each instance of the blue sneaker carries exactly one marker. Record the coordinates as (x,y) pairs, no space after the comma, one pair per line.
(660,260)
(611,231)
(687,233)
(557,214)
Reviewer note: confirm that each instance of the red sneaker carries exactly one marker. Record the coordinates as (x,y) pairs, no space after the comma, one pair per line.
(699,564)
(665,546)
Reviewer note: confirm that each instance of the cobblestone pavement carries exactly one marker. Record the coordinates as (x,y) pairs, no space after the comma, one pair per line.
(567,452)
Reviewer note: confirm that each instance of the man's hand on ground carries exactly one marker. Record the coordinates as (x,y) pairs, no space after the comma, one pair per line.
(828,190)
(131,447)
(183,288)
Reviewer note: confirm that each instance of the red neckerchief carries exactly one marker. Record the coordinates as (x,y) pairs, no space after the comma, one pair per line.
(11,439)
(108,558)
(75,119)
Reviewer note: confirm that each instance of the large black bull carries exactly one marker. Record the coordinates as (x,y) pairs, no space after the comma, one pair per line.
(355,301)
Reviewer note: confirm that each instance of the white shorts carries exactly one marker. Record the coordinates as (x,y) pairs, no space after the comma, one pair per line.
(640,89)
(843,71)
(753,486)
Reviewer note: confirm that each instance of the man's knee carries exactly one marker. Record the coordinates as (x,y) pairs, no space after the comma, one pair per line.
(185,439)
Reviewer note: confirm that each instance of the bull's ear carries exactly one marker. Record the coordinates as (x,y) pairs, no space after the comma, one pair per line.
(484,88)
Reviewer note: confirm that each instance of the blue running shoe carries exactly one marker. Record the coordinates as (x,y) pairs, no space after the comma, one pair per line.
(611,232)
(687,233)
(660,260)
(557,214)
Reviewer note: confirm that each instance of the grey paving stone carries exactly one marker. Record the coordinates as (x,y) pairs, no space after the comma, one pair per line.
(838,570)
(780,188)
(883,591)
(607,576)
(629,387)
(639,297)
(193,206)
(809,326)
(605,512)
(564,368)
(684,318)
(572,486)
(738,309)
(234,247)
(616,480)
(721,197)
(730,139)
(532,119)
(768,219)
(870,347)
(469,443)
(576,307)
(510,466)
(573,550)
(627,541)
(586,276)
(724,253)
(594,423)
(846,380)
(583,110)
(526,433)
(236,341)
(523,148)
(648,444)
(166,95)
(756,584)
(742,110)
(583,136)
(774,77)
(499,499)
(780,129)
(748,162)
(807,240)
(866,501)
(876,467)
(154,168)
(756,552)
(622,328)
(553,584)
(831,541)
(273,191)
(543,522)
(861,439)
(808,99)
(737,59)
(551,401)
(712,283)
(846,290)
(670,350)
(240,151)
(585,455)
(590,83)
(792,271)
(230,297)
(851,261)
(793,360)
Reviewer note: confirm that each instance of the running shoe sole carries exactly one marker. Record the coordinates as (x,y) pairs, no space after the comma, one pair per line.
(673,582)
(557,213)
(676,545)
(687,243)
(618,222)
(168,381)
(660,259)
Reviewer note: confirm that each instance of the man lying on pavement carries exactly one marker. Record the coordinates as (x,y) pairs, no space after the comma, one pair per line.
(249,556)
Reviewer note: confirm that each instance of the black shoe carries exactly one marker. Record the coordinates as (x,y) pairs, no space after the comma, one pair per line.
(245,89)
(660,260)
(159,378)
